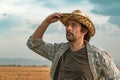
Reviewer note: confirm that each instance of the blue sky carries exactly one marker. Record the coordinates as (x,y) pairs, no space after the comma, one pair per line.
(19,19)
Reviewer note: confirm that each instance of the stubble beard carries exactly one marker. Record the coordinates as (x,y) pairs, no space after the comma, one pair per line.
(70,36)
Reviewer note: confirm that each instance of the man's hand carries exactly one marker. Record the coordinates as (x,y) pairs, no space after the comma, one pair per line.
(53,17)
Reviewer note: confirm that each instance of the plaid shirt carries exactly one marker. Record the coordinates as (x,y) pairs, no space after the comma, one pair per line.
(101,63)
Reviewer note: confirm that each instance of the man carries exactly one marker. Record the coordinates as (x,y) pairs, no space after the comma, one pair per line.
(76,59)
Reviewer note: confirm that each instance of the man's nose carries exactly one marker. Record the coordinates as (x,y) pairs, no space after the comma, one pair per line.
(69,27)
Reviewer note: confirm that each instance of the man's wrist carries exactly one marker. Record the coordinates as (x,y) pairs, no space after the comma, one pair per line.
(47,21)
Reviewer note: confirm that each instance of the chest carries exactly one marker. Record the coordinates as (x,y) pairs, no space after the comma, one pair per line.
(74,61)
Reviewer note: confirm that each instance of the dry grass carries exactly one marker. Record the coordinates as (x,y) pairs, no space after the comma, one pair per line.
(25,73)
(119,68)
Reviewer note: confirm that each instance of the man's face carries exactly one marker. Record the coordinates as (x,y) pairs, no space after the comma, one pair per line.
(73,31)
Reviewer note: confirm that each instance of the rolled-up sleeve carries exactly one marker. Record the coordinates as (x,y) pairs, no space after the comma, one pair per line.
(42,48)
(111,72)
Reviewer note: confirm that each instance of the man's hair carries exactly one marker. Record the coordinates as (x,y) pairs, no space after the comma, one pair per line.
(83,29)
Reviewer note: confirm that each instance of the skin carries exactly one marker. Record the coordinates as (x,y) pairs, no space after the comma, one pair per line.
(73,31)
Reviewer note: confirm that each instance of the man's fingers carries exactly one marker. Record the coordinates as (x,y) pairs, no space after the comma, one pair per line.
(58,15)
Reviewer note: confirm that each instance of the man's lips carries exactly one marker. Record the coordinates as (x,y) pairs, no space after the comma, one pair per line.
(69,33)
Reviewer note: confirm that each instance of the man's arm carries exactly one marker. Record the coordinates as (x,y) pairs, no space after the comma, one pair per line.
(41,29)
(35,42)
(110,70)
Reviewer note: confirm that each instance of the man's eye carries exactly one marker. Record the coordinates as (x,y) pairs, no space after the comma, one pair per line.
(66,24)
(73,25)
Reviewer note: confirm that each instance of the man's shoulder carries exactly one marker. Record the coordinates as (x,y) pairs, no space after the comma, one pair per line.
(99,51)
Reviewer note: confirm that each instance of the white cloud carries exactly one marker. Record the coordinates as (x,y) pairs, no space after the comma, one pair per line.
(26,10)
(10,7)
(100,19)
(102,24)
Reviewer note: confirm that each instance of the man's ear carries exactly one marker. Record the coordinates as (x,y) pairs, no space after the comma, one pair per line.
(85,32)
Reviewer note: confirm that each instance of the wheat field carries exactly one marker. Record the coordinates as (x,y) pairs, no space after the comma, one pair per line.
(25,73)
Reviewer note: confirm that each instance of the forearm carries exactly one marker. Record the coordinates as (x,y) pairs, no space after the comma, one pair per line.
(40,30)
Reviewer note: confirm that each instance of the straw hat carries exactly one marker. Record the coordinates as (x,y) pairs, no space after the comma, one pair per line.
(79,16)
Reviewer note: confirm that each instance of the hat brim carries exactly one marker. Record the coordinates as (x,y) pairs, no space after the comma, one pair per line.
(84,20)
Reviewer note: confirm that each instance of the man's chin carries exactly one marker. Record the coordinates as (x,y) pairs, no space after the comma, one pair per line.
(70,40)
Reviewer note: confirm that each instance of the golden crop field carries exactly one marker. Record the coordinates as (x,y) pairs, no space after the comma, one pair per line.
(25,73)
(119,68)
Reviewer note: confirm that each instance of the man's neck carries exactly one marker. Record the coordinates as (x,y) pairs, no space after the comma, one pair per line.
(77,45)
